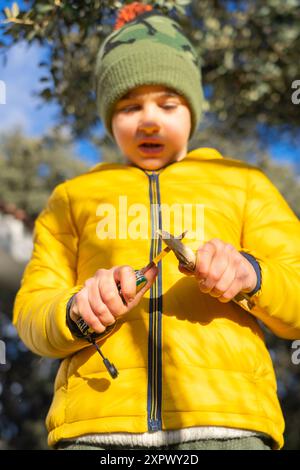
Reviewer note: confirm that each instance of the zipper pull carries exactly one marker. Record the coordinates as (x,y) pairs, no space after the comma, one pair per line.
(84,328)
(111,368)
(89,335)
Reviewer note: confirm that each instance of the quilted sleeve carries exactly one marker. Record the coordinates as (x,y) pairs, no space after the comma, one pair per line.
(271,233)
(49,281)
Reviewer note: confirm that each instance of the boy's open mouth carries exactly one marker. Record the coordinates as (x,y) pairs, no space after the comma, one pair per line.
(151,148)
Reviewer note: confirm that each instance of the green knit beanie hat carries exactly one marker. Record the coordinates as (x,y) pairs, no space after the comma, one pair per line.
(151,49)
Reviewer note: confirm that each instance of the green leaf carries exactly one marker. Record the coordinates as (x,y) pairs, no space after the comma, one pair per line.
(180,9)
(30,36)
(160,3)
(44,8)
(7,12)
(15,9)
(46,94)
(118,4)
(183,2)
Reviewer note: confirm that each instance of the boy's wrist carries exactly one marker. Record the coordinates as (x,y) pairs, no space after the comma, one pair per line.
(70,322)
(255,264)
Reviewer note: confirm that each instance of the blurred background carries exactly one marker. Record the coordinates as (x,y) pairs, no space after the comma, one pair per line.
(49,132)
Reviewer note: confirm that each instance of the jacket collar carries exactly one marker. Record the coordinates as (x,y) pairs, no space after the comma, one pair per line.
(202,153)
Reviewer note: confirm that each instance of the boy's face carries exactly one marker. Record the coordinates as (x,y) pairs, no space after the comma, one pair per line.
(152,114)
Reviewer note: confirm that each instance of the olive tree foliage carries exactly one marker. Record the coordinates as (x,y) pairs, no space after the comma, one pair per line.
(248,52)
(31,167)
(283,176)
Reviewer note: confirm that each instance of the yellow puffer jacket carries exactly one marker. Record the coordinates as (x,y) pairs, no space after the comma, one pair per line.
(184,358)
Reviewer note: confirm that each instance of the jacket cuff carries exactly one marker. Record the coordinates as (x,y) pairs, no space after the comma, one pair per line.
(70,323)
(257,270)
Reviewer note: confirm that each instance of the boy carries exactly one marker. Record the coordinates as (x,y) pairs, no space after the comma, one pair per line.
(194,371)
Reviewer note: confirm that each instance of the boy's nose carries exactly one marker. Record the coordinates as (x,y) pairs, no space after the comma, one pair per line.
(149,128)
(148,120)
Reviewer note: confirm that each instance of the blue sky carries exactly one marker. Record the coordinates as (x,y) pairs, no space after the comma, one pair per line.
(21,77)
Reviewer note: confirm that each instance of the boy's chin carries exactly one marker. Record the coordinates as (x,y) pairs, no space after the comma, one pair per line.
(152,163)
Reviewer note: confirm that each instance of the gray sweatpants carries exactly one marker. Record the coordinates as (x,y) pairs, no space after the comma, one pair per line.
(244,443)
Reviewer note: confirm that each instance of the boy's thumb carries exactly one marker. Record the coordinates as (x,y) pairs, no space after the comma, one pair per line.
(141,289)
(151,274)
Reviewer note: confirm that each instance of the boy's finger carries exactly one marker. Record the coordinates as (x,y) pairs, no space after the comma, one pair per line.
(84,311)
(94,297)
(225,282)
(110,294)
(204,259)
(150,275)
(125,276)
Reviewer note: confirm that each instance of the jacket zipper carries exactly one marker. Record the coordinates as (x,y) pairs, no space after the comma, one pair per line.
(155,314)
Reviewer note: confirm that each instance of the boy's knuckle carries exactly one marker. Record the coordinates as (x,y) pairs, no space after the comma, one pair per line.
(241,270)
(240,276)
(202,274)
(216,242)
(101,312)
(202,266)
(80,298)
(100,272)
(229,247)
(213,276)
(125,268)
(108,296)
(88,282)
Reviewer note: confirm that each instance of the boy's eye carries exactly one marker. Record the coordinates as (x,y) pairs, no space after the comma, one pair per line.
(128,109)
(169,106)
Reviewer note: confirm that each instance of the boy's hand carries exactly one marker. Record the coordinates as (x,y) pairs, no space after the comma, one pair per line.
(99,303)
(222,271)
